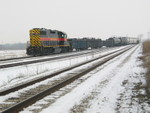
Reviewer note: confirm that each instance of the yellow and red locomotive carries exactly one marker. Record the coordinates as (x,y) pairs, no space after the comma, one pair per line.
(46,41)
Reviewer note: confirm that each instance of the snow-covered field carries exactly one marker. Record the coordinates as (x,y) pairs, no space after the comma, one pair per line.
(116,87)
(20,73)
(12,54)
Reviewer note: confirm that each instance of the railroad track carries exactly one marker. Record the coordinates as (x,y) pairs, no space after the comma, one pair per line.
(19,58)
(30,97)
(20,63)
(15,58)
(23,85)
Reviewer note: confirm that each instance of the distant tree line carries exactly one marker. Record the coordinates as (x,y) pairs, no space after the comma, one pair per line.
(16,46)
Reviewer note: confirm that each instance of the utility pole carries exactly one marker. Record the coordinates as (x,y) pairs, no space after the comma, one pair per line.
(1,47)
(140,37)
(149,35)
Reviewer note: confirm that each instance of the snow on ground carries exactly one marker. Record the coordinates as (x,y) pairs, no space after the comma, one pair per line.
(116,87)
(110,90)
(120,95)
(20,73)
(12,54)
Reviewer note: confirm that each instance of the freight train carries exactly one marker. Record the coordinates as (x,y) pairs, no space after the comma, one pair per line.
(46,41)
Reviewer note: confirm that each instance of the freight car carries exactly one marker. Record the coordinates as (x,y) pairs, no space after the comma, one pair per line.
(84,43)
(119,41)
(129,40)
(132,40)
(111,42)
(124,40)
(45,41)
(78,44)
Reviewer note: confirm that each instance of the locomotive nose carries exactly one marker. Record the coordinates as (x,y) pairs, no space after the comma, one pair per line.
(35,37)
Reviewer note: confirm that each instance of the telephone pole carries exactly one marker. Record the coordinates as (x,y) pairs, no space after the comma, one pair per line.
(149,35)
(140,37)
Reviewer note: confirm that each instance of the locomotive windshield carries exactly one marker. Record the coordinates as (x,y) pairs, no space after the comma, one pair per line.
(42,32)
(64,36)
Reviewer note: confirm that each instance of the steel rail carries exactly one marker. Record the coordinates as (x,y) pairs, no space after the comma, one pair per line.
(6,59)
(26,84)
(40,60)
(15,58)
(18,107)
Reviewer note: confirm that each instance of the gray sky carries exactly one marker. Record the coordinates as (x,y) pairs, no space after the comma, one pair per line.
(78,18)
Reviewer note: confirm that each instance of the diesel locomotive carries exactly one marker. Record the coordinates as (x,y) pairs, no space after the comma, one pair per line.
(45,41)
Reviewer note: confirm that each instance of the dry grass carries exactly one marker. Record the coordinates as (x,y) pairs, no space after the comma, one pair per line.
(146,47)
(146,60)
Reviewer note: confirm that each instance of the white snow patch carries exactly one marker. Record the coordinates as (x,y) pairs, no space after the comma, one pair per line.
(108,95)
(12,54)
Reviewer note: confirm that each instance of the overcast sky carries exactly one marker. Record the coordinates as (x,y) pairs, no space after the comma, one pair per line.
(78,18)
